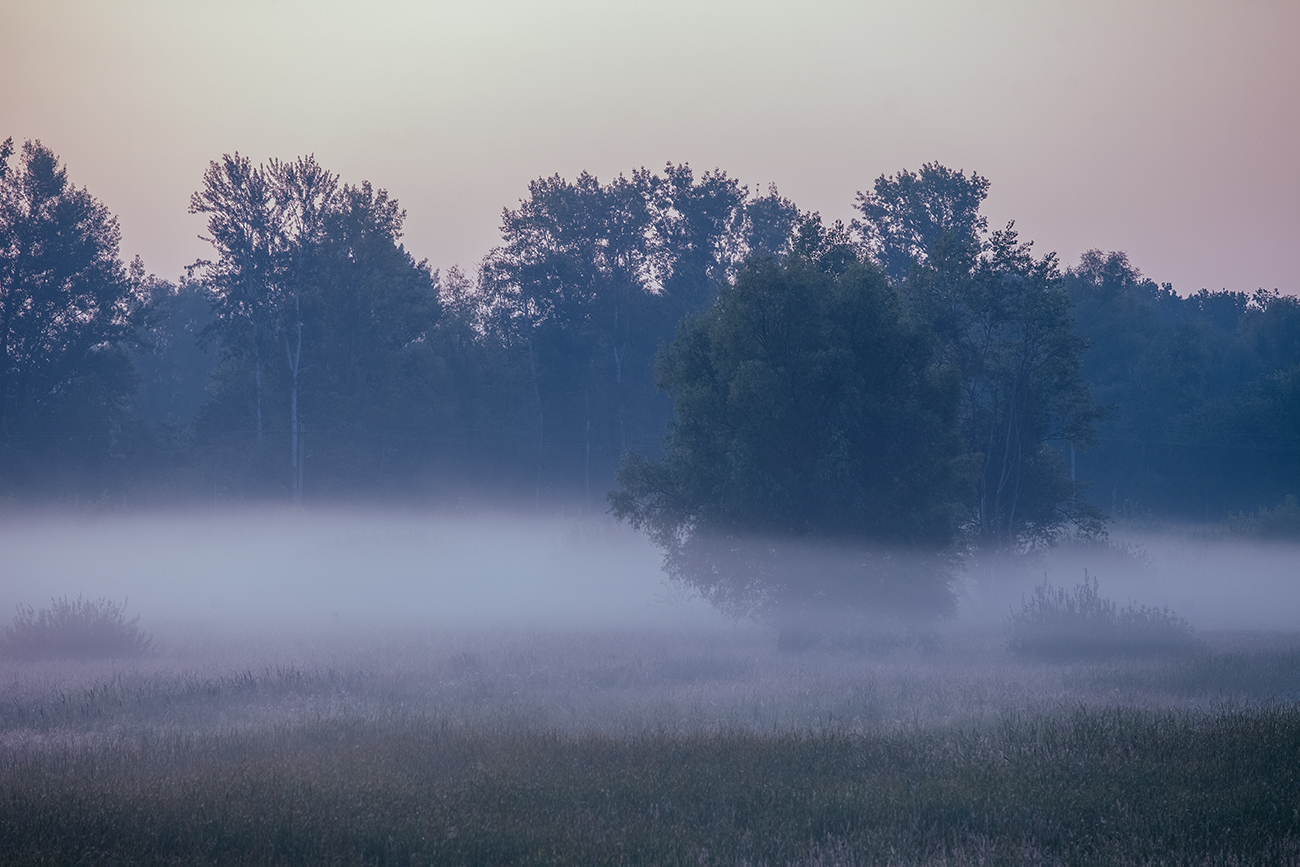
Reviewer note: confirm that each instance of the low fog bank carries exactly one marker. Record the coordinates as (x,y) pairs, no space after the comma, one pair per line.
(289,572)
(1212,581)
(301,571)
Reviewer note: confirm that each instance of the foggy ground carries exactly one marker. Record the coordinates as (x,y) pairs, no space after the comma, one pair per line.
(282,571)
(567,622)
(389,687)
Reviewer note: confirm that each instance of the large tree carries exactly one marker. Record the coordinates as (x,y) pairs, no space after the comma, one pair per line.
(588,281)
(812,465)
(1003,321)
(70,313)
(245,235)
(312,272)
(907,215)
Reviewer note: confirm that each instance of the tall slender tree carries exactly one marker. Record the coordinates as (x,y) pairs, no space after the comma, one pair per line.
(244,231)
(303,195)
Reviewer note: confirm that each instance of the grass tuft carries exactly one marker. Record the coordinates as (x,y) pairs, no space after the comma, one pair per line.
(1056,623)
(74,629)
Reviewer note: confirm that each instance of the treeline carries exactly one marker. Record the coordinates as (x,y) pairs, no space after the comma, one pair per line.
(311,355)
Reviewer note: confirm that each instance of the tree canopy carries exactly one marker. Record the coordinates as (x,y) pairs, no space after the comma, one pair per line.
(812,463)
(317,304)
(1003,321)
(311,340)
(70,313)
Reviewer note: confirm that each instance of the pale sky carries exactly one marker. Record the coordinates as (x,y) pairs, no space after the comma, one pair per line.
(1168,130)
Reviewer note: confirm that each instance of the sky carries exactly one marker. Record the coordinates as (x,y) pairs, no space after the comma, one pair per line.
(1167,130)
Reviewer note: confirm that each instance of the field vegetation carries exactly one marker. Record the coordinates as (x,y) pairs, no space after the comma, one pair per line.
(651,747)
(1062,624)
(74,628)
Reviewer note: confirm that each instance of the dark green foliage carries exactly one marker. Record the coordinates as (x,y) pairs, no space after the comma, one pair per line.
(1112,787)
(326,326)
(80,628)
(813,460)
(1056,623)
(175,363)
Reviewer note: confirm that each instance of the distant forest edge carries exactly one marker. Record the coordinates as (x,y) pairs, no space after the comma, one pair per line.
(310,355)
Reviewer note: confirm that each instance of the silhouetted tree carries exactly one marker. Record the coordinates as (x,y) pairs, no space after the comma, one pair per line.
(906,216)
(812,465)
(588,281)
(313,271)
(1003,323)
(1195,390)
(70,313)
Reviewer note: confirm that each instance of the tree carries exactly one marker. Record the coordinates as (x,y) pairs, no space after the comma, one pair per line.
(313,271)
(588,281)
(1196,421)
(812,465)
(1003,323)
(70,313)
(378,396)
(907,215)
(303,195)
(1021,366)
(242,229)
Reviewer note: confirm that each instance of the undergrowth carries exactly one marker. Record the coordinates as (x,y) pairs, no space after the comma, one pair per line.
(70,629)
(1056,623)
(1282,522)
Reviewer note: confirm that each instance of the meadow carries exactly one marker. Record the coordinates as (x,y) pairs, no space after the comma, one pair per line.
(651,748)
(668,740)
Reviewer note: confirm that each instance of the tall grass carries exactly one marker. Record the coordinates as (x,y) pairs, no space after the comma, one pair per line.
(651,749)
(1093,787)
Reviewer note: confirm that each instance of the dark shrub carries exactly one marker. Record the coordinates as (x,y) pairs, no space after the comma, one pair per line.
(84,628)
(1056,623)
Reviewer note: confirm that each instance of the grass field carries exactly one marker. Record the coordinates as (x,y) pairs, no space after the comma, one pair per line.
(691,746)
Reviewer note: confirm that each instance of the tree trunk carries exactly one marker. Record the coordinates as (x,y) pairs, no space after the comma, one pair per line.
(537,393)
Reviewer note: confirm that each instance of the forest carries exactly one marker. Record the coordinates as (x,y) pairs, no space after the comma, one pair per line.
(311,357)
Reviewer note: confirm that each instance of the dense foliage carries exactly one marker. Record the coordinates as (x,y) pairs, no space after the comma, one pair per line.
(1202,393)
(313,355)
(808,412)
(69,316)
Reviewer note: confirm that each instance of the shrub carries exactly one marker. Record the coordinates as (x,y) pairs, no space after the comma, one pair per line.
(1060,624)
(84,628)
(1280,522)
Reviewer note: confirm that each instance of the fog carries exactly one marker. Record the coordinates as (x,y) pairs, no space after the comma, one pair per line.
(277,571)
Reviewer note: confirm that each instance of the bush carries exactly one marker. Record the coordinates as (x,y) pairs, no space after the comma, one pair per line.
(1280,522)
(84,628)
(1061,624)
